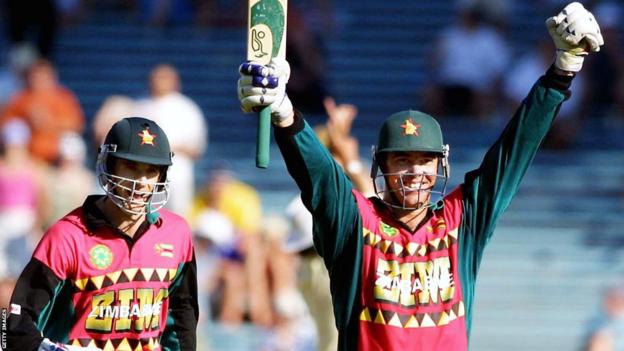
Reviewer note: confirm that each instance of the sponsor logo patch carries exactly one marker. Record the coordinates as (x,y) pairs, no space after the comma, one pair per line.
(101,256)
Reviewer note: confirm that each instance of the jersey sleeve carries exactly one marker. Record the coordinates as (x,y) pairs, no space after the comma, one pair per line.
(40,292)
(490,188)
(325,189)
(180,331)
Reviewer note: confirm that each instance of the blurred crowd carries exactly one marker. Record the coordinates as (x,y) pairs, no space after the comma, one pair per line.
(257,270)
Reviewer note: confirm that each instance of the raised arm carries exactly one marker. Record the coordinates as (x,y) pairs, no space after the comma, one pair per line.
(489,189)
(325,189)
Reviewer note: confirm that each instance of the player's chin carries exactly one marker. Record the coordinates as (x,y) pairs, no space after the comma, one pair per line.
(136,204)
(416,198)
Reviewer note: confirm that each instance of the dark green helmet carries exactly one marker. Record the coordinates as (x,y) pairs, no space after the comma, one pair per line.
(138,139)
(410,131)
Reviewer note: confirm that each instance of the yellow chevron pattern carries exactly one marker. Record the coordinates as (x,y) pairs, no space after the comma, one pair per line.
(122,345)
(412,248)
(129,273)
(418,320)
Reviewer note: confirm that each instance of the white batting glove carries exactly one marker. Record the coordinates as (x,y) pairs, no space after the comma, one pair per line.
(48,345)
(574,31)
(260,86)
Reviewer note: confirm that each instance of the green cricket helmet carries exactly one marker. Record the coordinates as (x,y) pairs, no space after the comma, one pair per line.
(409,131)
(138,140)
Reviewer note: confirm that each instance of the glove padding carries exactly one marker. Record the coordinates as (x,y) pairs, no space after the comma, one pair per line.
(47,345)
(574,31)
(260,86)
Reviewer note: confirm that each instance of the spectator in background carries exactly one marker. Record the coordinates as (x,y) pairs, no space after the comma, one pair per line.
(214,240)
(293,326)
(21,189)
(519,79)
(161,13)
(304,51)
(71,181)
(13,71)
(32,21)
(495,12)
(606,330)
(221,13)
(184,123)
(336,134)
(247,294)
(466,86)
(48,108)
(114,108)
(604,96)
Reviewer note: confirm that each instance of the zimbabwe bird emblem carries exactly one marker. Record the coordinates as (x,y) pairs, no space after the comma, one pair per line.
(410,127)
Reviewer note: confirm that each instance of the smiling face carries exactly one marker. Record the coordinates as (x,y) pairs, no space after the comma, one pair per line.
(410,178)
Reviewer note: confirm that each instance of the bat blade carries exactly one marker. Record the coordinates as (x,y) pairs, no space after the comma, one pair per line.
(266,38)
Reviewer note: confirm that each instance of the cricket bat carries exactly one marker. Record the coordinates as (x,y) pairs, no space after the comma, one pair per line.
(266,38)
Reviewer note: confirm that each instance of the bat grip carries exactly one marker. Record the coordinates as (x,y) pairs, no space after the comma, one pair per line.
(262,138)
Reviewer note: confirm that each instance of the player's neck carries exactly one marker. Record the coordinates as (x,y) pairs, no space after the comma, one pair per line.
(412,219)
(127,223)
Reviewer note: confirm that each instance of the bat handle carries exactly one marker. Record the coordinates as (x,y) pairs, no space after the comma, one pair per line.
(262,138)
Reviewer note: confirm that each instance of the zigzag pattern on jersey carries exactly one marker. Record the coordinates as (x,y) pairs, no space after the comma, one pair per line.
(124,344)
(124,276)
(411,249)
(418,320)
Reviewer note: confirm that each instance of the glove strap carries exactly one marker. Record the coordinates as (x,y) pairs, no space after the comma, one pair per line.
(568,61)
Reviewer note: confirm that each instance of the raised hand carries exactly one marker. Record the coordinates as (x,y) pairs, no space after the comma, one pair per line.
(575,33)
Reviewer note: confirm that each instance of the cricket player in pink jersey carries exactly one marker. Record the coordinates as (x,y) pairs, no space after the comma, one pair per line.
(117,273)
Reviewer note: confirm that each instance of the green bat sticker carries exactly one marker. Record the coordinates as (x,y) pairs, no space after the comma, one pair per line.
(271,14)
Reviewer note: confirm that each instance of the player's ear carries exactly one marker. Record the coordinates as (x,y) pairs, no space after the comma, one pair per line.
(383,162)
(163,174)
(111,163)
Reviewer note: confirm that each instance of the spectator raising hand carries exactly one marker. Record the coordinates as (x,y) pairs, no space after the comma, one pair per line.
(343,146)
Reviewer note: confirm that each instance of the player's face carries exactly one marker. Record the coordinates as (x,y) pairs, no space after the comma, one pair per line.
(140,183)
(410,177)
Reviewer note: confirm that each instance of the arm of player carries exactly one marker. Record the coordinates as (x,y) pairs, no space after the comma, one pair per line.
(41,298)
(34,292)
(325,189)
(492,186)
(181,330)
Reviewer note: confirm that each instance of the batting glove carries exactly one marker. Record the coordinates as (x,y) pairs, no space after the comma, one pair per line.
(48,345)
(260,86)
(574,31)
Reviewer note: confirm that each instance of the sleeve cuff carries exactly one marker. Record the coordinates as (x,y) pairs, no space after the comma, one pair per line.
(557,81)
(296,127)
